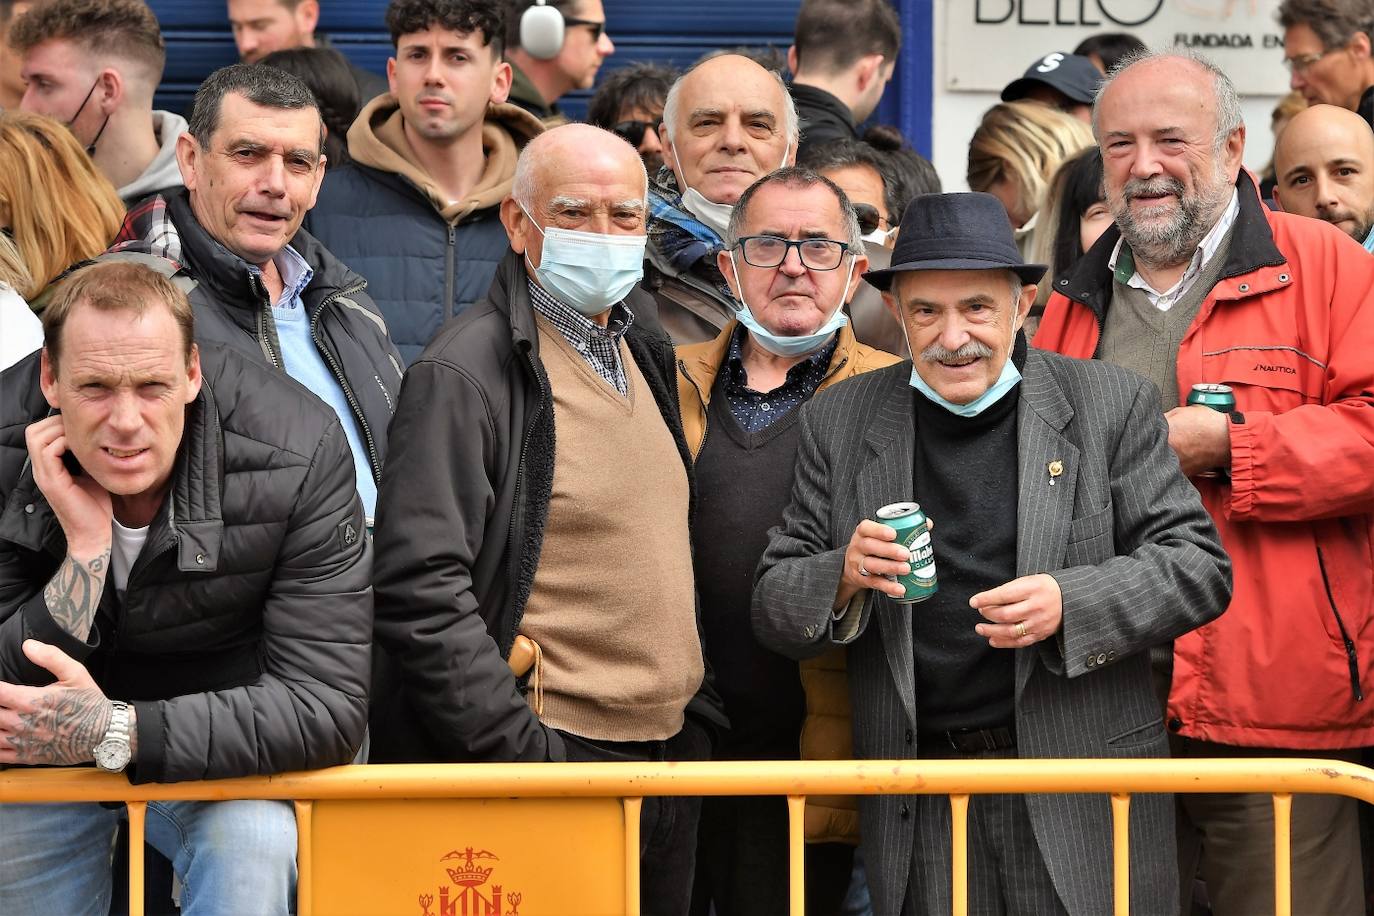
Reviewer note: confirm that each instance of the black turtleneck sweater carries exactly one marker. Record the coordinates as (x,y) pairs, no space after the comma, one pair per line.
(966,481)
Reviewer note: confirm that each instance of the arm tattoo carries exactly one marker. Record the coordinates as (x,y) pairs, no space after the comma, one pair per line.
(73,593)
(63,728)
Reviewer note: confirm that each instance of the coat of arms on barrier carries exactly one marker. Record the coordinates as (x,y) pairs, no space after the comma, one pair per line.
(467,893)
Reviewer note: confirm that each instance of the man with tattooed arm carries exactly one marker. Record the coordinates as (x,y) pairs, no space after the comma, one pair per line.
(183,594)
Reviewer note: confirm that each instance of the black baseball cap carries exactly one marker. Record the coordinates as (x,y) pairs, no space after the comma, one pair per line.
(1072,74)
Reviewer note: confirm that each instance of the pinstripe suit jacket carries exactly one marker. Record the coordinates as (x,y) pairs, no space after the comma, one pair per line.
(1137,560)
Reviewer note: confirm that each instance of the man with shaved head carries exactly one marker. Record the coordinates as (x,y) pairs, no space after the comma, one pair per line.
(727,122)
(1198,282)
(534,573)
(1325,170)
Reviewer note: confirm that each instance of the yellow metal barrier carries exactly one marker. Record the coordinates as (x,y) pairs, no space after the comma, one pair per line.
(359,826)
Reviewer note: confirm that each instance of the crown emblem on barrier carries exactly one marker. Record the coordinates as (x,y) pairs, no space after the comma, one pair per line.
(469,895)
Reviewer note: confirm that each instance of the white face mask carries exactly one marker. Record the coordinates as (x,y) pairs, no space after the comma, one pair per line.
(880,237)
(589,271)
(713,215)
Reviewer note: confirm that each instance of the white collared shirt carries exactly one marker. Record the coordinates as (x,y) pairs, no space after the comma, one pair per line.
(1205,250)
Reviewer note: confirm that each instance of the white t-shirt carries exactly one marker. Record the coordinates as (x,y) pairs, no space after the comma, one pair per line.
(20,330)
(125,547)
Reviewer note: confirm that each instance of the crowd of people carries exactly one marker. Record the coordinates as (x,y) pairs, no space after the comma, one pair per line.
(349,418)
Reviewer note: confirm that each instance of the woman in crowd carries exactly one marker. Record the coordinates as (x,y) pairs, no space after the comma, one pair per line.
(23,332)
(54,204)
(1075,216)
(1014,153)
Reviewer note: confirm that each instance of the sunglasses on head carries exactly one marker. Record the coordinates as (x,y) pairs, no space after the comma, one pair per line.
(869,218)
(632,132)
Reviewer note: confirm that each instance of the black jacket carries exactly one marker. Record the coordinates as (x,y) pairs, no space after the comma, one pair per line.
(461,521)
(244,634)
(823,117)
(1366,106)
(233,309)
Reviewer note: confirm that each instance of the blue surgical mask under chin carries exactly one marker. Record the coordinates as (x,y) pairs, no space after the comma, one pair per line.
(1007,380)
(589,271)
(801,344)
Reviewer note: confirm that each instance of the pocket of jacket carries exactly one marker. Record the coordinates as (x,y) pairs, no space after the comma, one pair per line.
(1091,526)
(1272,378)
(1141,734)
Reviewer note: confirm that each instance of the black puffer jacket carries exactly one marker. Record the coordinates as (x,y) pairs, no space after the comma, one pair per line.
(233,309)
(461,523)
(244,635)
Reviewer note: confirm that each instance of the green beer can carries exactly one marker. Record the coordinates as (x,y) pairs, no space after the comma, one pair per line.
(1221,399)
(909,522)
(1218,397)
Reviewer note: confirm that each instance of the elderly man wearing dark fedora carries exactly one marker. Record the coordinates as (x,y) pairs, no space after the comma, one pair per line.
(1066,543)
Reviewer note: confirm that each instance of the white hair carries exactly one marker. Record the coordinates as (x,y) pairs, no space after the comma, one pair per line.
(790,122)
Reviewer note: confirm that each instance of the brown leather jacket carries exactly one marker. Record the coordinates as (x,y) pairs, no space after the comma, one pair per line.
(825,733)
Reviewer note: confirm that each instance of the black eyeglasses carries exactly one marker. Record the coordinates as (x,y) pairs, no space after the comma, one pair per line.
(632,132)
(598,28)
(770,251)
(869,218)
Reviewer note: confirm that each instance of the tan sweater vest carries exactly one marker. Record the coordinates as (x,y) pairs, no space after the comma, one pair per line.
(613,606)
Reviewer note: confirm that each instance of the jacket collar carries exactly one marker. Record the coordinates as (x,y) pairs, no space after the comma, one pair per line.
(192,512)
(1252,249)
(818,100)
(706,360)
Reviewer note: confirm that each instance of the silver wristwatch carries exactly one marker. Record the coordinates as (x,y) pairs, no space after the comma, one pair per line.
(112,753)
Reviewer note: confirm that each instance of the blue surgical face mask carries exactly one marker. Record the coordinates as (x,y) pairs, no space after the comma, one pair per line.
(801,344)
(1006,380)
(588,270)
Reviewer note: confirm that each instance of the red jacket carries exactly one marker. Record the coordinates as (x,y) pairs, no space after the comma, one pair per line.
(1290,327)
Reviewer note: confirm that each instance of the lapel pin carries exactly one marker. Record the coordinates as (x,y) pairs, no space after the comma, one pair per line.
(1056,468)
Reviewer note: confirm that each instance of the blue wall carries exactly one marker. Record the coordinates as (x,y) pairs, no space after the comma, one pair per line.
(198,41)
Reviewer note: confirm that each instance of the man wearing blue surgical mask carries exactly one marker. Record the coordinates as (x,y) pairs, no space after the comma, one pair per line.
(1067,542)
(534,582)
(727,122)
(793,257)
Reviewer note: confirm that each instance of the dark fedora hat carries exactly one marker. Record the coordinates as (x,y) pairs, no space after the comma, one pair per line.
(968,231)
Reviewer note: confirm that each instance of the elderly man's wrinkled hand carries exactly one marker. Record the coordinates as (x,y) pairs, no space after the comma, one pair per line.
(1021,612)
(1201,437)
(871,555)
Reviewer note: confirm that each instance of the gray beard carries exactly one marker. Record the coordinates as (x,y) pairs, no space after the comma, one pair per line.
(1167,244)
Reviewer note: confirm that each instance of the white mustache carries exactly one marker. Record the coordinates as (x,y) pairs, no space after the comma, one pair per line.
(935,353)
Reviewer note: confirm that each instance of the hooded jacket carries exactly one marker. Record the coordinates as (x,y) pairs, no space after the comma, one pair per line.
(242,640)
(461,522)
(162,174)
(233,309)
(426,258)
(1290,327)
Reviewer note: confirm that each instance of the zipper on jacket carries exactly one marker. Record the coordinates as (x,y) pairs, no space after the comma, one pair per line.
(450,255)
(508,638)
(264,340)
(339,376)
(705,409)
(1351,655)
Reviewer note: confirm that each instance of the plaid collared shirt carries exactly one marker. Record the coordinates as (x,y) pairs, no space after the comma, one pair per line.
(599,346)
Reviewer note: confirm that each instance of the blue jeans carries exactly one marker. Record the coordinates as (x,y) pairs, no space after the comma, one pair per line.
(234,857)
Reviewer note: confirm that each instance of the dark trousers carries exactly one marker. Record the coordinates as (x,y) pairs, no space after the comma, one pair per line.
(667,825)
(1007,875)
(742,861)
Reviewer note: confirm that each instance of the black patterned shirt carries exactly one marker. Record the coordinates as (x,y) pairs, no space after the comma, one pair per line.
(756,410)
(599,346)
